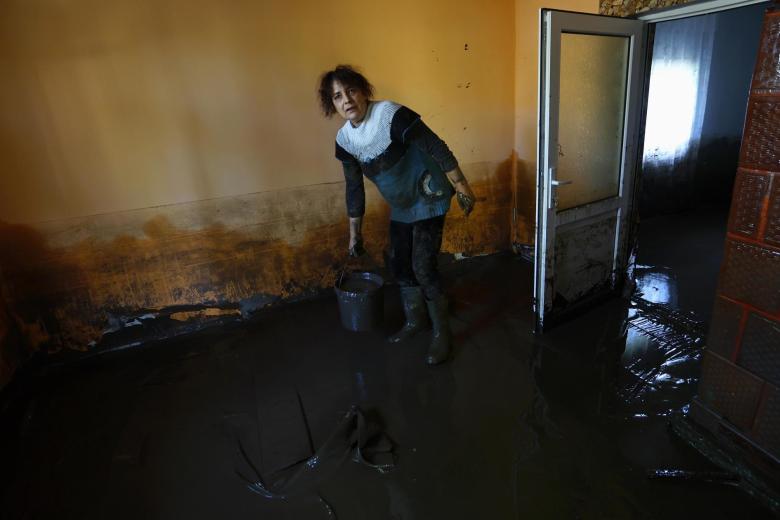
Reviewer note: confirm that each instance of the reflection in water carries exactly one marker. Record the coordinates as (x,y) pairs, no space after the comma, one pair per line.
(663,347)
(605,385)
(657,285)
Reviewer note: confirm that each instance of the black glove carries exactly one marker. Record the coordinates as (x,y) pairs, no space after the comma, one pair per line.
(466,203)
(357,250)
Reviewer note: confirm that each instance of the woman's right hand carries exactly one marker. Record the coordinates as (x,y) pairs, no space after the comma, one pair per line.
(356,246)
(355,236)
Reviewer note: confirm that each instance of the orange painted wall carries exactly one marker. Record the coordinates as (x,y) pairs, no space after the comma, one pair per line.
(170,152)
(526,64)
(114,106)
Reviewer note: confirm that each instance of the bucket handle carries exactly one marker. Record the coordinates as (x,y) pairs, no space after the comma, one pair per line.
(341,276)
(347,262)
(343,270)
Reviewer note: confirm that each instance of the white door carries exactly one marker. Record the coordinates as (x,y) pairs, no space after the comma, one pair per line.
(591,77)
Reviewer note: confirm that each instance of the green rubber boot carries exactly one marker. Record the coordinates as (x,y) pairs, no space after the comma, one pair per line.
(441,343)
(414,310)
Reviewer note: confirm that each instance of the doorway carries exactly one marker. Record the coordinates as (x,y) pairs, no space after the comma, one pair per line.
(699,84)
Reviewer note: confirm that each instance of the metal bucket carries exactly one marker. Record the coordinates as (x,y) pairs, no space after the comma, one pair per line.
(361,301)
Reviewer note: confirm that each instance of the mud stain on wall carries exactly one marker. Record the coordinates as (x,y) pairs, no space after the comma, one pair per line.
(35,281)
(11,355)
(203,314)
(170,266)
(524,191)
(66,282)
(14,350)
(489,227)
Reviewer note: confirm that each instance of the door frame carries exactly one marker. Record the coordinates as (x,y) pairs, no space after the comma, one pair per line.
(652,17)
(547,217)
(677,12)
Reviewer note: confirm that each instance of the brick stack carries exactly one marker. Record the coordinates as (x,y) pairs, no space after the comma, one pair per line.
(740,379)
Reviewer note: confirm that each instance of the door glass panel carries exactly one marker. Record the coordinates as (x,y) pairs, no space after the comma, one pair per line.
(592,107)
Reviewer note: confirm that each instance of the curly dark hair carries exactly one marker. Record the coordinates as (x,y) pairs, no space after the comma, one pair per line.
(347,76)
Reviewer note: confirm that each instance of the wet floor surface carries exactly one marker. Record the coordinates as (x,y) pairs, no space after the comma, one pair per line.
(565,425)
(679,257)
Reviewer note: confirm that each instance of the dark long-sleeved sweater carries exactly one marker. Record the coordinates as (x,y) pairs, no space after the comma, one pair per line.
(403,156)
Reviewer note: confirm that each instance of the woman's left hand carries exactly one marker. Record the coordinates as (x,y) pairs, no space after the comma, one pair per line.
(465,196)
(465,202)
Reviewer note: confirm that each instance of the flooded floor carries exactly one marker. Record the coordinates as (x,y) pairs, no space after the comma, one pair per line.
(571,424)
(679,259)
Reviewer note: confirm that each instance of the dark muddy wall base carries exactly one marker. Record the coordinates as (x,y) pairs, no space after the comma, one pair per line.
(14,349)
(147,326)
(69,284)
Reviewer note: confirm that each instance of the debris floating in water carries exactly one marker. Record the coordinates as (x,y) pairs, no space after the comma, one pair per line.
(682,474)
(353,438)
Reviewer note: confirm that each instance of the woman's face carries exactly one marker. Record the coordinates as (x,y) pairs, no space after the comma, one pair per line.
(350,102)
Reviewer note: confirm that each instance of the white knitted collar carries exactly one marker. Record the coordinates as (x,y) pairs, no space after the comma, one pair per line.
(372,137)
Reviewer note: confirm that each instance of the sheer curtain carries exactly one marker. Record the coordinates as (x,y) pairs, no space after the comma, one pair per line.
(682,55)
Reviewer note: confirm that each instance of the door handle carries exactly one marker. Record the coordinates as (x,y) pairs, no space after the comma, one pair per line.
(560,183)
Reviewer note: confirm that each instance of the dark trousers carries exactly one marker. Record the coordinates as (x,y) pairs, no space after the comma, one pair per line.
(413,251)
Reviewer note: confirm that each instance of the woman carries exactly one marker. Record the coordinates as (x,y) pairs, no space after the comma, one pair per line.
(415,172)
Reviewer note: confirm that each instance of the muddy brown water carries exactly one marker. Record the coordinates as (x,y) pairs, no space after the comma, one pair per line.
(514,426)
(358,285)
